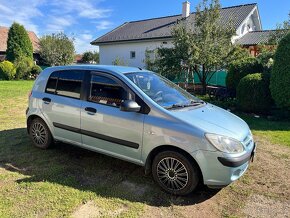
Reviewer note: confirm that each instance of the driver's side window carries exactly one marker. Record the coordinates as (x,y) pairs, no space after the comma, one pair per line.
(105,90)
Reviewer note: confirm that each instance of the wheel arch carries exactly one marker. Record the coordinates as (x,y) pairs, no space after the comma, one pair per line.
(161,148)
(31,118)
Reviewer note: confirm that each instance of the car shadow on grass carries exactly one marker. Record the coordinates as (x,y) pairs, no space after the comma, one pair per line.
(87,171)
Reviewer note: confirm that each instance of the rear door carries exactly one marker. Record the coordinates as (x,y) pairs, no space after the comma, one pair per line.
(104,127)
(61,104)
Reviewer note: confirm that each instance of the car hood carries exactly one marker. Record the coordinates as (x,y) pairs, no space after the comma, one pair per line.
(212,119)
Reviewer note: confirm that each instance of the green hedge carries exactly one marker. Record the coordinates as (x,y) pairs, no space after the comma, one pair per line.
(253,94)
(7,70)
(280,78)
(23,68)
(239,69)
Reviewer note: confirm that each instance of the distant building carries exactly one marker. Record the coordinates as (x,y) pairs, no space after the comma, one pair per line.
(3,43)
(78,58)
(131,40)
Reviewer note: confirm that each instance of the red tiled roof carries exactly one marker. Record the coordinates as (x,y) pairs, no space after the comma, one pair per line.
(4,36)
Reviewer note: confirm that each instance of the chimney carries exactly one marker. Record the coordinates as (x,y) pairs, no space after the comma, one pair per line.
(185,9)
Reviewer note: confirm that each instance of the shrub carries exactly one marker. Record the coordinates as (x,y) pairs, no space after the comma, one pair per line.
(239,69)
(23,68)
(7,70)
(280,78)
(253,94)
(35,71)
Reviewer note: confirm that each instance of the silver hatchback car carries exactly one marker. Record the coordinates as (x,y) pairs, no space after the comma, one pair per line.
(139,116)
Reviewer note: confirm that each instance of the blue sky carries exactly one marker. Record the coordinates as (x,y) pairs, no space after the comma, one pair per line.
(86,20)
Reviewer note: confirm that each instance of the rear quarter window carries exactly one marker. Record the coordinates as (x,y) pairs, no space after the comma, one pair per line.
(51,83)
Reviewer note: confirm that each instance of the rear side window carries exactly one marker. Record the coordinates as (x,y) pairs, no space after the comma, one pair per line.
(66,83)
(105,90)
(51,84)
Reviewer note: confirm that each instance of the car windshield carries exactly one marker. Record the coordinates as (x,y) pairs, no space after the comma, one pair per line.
(163,91)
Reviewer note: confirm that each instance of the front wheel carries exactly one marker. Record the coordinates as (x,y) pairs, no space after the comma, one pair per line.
(175,173)
(40,134)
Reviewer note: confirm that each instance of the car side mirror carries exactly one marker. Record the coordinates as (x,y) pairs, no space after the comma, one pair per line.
(130,106)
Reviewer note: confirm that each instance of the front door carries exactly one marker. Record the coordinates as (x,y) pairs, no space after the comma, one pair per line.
(104,127)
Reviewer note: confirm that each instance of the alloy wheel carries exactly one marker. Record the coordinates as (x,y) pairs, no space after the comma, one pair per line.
(172,173)
(39,134)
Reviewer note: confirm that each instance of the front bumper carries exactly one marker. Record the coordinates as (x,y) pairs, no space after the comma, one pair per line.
(220,170)
(238,161)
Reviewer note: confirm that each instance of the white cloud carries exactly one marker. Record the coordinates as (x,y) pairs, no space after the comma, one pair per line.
(21,12)
(50,16)
(84,8)
(103,25)
(58,24)
(82,43)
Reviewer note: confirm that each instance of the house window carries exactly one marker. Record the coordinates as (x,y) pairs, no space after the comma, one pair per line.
(132,54)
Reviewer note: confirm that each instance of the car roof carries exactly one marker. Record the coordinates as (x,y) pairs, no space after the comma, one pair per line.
(111,68)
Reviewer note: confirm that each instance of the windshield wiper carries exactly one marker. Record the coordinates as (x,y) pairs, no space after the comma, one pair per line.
(191,104)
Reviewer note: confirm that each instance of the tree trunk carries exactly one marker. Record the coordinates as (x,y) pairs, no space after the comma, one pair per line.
(203,81)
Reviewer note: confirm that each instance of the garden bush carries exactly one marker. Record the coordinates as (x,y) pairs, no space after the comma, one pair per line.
(23,68)
(35,71)
(7,70)
(239,69)
(253,93)
(280,75)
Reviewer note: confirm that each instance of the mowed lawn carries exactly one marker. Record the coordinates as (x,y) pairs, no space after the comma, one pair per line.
(67,181)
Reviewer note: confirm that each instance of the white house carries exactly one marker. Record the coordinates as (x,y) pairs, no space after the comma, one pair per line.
(130,41)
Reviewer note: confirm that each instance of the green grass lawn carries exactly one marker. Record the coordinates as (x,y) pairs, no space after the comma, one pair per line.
(60,181)
(277,132)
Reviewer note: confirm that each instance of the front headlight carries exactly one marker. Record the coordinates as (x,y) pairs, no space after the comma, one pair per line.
(224,143)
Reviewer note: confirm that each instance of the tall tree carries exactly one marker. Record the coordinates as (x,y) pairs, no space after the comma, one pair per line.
(205,44)
(202,46)
(57,49)
(18,43)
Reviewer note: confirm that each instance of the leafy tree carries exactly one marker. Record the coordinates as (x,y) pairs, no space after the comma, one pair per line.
(201,47)
(18,43)
(280,75)
(57,49)
(168,64)
(7,70)
(237,54)
(90,57)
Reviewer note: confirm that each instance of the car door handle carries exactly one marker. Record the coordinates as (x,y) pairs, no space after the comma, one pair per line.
(46,100)
(91,110)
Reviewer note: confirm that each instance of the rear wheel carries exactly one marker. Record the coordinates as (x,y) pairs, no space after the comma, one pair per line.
(40,134)
(175,173)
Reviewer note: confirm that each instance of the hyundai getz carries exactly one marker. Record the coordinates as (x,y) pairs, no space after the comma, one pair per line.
(141,117)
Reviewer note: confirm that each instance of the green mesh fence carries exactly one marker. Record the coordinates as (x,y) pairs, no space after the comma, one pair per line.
(218,79)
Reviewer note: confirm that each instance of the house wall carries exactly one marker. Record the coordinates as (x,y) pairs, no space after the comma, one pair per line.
(109,52)
(251,23)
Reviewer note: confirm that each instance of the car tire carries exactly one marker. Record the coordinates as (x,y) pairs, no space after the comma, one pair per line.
(40,134)
(175,173)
